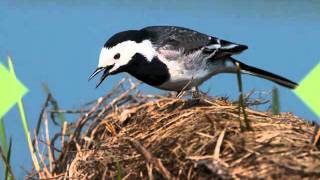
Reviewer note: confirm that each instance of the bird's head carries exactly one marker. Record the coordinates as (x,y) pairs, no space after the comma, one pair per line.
(120,50)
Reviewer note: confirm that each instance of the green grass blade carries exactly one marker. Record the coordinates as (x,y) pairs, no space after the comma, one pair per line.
(54,103)
(25,122)
(20,104)
(241,102)
(275,101)
(7,176)
(119,170)
(6,162)
(3,136)
(4,144)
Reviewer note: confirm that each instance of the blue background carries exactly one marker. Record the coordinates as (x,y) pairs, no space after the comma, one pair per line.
(58,43)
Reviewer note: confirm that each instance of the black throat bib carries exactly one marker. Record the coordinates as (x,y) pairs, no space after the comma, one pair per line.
(153,73)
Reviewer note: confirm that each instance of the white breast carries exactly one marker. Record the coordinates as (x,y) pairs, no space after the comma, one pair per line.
(185,72)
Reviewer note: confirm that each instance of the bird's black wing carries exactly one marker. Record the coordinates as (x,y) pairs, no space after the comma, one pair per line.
(188,41)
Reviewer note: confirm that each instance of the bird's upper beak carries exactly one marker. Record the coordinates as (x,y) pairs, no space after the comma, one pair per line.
(104,75)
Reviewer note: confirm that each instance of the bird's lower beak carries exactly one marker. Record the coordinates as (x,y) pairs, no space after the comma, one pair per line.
(97,71)
(104,75)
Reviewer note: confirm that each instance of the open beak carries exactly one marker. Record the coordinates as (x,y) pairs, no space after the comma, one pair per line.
(97,71)
(104,75)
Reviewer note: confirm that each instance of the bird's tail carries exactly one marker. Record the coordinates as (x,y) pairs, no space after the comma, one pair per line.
(265,74)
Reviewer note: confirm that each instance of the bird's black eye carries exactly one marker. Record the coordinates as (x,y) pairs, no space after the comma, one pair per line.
(117,56)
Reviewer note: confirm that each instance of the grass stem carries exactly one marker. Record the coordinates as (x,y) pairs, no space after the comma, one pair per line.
(241,102)
(8,173)
(3,136)
(6,163)
(275,101)
(25,122)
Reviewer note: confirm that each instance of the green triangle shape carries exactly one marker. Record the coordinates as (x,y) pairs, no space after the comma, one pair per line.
(309,90)
(11,90)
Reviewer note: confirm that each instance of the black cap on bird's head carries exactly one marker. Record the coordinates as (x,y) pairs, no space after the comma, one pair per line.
(119,50)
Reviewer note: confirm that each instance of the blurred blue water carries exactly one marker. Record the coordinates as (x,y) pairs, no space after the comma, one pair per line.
(58,43)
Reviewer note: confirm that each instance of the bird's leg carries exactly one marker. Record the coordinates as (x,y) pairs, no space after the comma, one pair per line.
(178,94)
(195,92)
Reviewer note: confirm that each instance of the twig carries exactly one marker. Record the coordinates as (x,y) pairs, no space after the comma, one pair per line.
(68,111)
(189,176)
(119,98)
(218,168)
(50,152)
(150,168)
(300,169)
(64,129)
(52,140)
(83,119)
(182,91)
(45,168)
(44,107)
(54,104)
(150,159)
(218,145)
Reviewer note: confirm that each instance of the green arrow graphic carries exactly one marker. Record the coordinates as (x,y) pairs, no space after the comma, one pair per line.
(11,90)
(309,90)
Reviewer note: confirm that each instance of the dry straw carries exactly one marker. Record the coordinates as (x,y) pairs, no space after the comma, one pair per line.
(127,135)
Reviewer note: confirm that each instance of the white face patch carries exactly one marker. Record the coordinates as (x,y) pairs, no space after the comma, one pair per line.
(127,50)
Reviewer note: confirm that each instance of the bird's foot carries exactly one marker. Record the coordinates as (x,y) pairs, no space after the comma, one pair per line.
(197,94)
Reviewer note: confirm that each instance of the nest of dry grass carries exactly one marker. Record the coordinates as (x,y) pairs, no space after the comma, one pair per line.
(132,136)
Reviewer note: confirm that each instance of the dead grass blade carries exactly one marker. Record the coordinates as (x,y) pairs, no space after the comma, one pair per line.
(150,159)
(218,145)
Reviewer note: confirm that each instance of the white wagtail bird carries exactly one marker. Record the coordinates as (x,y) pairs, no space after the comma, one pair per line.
(174,58)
